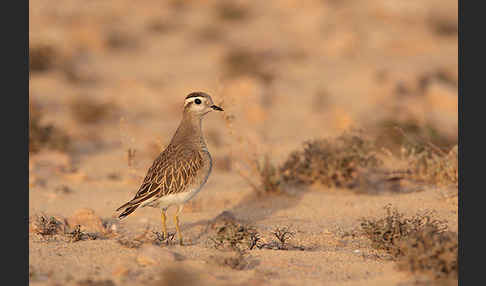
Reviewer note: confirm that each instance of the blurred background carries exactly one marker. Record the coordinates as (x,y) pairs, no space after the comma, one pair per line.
(108,78)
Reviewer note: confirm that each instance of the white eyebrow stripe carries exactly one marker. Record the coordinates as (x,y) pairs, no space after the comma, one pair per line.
(191,99)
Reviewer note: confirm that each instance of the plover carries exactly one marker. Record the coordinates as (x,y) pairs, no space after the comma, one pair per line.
(182,169)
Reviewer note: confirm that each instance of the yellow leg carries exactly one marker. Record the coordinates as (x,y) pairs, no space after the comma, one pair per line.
(164,227)
(176,219)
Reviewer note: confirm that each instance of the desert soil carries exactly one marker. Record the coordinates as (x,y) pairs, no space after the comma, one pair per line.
(332,66)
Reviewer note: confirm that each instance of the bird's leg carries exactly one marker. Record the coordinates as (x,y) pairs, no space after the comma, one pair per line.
(164,227)
(176,219)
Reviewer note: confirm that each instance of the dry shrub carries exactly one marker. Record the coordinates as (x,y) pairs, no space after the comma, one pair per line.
(233,238)
(78,235)
(337,162)
(243,62)
(283,235)
(41,57)
(395,134)
(269,177)
(431,157)
(44,135)
(333,163)
(419,244)
(89,111)
(443,24)
(432,165)
(49,228)
(431,253)
(232,11)
(147,236)
(47,225)
(353,161)
(233,235)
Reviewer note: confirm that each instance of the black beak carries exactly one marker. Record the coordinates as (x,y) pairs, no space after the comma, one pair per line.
(215,107)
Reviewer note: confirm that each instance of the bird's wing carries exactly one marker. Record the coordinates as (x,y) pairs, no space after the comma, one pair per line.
(174,169)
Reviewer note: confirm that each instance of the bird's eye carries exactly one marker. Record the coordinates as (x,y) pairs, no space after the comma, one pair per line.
(197,101)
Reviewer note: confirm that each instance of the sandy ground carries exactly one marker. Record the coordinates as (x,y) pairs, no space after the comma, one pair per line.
(334,66)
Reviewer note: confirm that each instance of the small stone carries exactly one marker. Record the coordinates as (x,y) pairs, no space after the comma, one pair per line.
(88,221)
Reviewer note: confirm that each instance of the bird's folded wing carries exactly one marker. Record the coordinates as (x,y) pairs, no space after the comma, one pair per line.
(171,173)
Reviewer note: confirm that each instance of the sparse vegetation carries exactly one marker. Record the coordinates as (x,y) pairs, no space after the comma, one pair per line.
(354,161)
(45,135)
(419,244)
(243,62)
(146,237)
(77,235)
(232,11)
(159,238)
(433,166)
(131,156)
(431,253)
(395,135)
(41,57)
(283,235)
(50,228)
(348,161)
(89,111)
(333,163)
(270,179)
(443,26)
(232,235)
(47,225)
(238,237)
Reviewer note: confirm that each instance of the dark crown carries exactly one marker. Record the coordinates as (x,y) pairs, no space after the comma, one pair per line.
(197,94)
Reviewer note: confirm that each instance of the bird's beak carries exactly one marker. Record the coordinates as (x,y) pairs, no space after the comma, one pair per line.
(215,107)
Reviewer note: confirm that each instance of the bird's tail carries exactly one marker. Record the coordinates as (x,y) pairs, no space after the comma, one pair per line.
(132,205)
(130,208)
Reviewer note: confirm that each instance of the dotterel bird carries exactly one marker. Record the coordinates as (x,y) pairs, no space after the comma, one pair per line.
(182,169)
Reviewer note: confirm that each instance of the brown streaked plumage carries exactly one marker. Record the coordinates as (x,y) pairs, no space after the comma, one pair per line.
(181,170)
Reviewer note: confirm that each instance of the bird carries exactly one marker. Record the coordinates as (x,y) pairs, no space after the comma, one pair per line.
(181,170)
